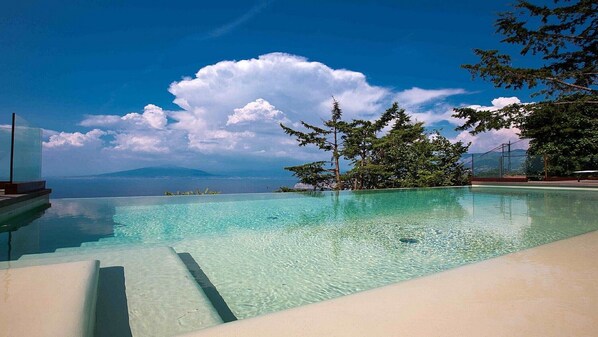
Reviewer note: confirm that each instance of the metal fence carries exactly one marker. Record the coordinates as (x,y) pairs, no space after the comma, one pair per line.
(507,160)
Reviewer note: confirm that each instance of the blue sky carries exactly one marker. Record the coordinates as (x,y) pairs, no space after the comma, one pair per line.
(124,84)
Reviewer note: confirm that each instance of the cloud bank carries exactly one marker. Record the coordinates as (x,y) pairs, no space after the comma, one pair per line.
(485,141)
(230,112)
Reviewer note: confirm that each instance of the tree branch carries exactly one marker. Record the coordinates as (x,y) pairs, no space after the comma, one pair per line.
(554,79)
(562,103)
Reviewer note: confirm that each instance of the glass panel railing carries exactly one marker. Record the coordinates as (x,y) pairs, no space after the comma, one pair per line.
(27,157)
(5,132)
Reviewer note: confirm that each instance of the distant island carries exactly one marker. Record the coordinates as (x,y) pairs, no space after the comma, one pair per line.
(158,172)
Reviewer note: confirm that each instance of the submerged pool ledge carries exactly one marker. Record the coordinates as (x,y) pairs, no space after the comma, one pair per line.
(550,290)
(13,205)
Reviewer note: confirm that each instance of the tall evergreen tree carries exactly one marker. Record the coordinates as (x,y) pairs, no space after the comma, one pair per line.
(404,157)
(327,138)
(412,158)
(360,139)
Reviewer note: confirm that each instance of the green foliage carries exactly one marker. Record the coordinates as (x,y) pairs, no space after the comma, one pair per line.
(562,38)
(359,143)
(194,192)
(572,145)
(405,157)
(327,139)
(286,189)
(313,174)
(412,158)
(534,167)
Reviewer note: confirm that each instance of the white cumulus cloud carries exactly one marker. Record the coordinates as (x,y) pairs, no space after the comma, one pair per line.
(258,110)
(497,103)
(237,105)
(152,117)
(232,109)
(298,87)
(151,143)
(76,139)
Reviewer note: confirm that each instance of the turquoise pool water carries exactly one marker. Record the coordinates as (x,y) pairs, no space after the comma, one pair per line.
(269,252)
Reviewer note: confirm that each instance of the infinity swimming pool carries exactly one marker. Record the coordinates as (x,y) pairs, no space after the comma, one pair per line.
(269,252)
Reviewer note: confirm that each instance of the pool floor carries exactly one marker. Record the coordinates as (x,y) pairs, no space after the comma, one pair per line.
(546,291)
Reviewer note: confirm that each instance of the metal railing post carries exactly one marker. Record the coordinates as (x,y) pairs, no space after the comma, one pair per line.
(509,159)
(12,147)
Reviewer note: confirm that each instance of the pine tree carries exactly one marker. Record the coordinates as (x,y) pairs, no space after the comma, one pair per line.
(327,138)
(359,141)
(413,158)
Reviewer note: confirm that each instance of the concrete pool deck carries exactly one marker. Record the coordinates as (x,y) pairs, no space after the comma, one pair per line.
(50,300)
(583,183)
(550,290)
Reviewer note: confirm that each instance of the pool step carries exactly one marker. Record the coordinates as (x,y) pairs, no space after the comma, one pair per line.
(105,242)
(118,241)
(111,246)
(162,296)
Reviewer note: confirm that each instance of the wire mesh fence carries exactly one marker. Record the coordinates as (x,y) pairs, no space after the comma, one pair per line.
(513,161)
(507,160)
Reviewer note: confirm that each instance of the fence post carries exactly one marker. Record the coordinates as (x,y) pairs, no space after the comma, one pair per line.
(509,159)
(12,147)
(502,160)
(545,167)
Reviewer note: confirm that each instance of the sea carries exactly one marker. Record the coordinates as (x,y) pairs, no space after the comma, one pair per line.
(90,187)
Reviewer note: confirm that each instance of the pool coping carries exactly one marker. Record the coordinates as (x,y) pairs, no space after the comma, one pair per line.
(538,187)
(563,184)
(49,300)
(549,290)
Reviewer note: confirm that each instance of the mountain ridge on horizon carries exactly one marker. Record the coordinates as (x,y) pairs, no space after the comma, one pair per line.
(158,171)
(173,171)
